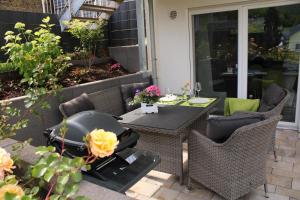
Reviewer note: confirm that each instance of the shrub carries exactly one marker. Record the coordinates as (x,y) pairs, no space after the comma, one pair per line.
(89,34)
(7,67)
(36,54)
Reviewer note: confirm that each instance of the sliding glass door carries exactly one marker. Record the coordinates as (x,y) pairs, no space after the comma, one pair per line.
(273,52)
(238,51)
(216,46)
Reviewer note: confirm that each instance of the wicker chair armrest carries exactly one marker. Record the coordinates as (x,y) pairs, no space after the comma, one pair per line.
(204,139)
(207,153)
(264,114)
(248,112)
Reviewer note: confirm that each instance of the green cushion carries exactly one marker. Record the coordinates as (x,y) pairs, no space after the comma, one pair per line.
(232,105)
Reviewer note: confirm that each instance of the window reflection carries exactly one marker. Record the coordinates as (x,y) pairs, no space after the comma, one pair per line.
(273,46)
(216,54)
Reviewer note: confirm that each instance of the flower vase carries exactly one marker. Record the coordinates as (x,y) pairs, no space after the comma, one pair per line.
(149,108)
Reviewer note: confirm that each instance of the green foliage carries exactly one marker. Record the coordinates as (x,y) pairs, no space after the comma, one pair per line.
(40,60)
(7,67)
(61,172)
(89,34)
(36,54)
(7,127)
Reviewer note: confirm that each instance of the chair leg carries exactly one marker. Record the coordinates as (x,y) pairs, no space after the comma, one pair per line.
(266,190)
(275,155)
(189,184)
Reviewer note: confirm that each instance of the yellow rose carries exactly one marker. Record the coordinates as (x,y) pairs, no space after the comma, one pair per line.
(12,189)
(6,163)
(102,143)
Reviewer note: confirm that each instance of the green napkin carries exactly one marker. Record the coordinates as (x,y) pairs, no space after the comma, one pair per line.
(172,103)
(169,102)
(200,105)
(232,105)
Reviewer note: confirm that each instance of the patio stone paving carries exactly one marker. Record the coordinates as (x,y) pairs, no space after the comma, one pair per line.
(283,178)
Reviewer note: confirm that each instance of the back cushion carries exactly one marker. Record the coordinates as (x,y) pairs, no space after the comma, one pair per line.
(76,105)
(219,129)
(271,97)
(128,91)
(108,101)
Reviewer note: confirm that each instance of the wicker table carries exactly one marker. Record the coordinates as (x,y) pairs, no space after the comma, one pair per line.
(166,131)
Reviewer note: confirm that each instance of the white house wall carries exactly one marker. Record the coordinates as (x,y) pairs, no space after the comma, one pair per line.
(172,39)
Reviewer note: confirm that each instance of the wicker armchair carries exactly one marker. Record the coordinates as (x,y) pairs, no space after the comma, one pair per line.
(235,167)
(275,111)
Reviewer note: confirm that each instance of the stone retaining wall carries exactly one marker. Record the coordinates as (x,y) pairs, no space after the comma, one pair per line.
(51,117)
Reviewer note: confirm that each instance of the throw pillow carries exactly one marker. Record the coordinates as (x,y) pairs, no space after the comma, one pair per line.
(76,105)
(219,129)
(271,97)
(232,105)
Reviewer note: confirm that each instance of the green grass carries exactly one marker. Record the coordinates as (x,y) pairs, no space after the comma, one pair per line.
(7,67)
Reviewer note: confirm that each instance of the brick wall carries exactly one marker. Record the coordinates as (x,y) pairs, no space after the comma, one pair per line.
(22,5)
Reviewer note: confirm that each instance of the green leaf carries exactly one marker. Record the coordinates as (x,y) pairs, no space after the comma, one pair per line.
(63,167)
(11,180)
(46,20)
(49,174)
(77,162)
(41,150)
(63,179)
(81,198)
(34,190)
(10,196)
(52,159)
(42,161)
(9,177)
(71,190)
(67,161)
(76,177)
(19,25)
(59,188)
(39,171)
(28,32)
(25,197)
(88,167)
(9,33)
(42,183)
(54,197)
(51,149)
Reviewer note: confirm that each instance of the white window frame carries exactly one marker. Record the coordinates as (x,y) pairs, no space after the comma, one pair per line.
(242,9)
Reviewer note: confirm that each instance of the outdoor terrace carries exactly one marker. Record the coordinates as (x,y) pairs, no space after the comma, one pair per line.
(283,178)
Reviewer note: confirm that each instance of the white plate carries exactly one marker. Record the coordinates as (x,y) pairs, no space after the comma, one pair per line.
(168,98)
(198,100)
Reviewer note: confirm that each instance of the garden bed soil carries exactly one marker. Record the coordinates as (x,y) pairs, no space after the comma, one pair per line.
(10,86)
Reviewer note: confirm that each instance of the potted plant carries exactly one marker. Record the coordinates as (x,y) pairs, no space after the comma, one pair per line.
(147,98)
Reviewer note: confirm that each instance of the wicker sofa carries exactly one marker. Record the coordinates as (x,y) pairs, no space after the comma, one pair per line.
(114,101)
(234,167)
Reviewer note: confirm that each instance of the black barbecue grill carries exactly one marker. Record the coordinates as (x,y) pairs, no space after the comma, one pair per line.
(119,171)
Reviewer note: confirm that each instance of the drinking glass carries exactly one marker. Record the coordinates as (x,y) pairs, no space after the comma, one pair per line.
(198,89)
(168,92)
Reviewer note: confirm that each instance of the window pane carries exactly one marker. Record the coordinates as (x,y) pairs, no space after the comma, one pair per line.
(274,44)
(216,54)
